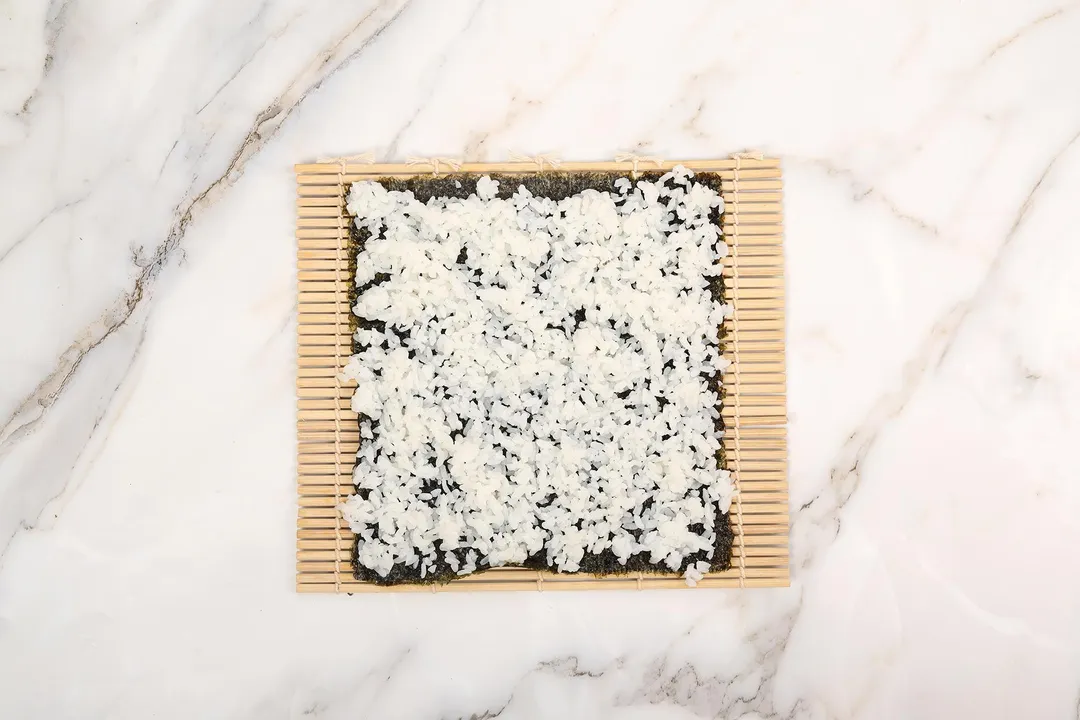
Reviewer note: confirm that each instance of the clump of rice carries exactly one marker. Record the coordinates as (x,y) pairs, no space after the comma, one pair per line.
(531,377)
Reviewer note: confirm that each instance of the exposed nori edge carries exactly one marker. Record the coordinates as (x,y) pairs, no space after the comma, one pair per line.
(556,186)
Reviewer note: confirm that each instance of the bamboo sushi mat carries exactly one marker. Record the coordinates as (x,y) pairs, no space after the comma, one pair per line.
(754,408)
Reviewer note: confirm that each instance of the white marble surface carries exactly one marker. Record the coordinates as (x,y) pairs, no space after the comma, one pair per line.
(147,316)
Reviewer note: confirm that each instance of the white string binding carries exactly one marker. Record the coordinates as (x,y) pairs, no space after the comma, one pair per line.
(553,161)
(748,155)
(364,158)
(452,163)
(635,159)
(337,374)
(737,494)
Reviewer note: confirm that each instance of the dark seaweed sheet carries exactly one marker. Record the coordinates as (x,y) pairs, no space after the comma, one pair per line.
(554,185)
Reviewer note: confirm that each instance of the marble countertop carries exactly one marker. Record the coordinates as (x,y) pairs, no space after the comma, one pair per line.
(147,319)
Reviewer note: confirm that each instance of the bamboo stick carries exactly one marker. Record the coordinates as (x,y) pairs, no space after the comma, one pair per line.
(358,588)
(725,167)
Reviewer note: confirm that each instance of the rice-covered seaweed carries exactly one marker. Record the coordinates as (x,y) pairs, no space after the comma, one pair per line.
(538,365)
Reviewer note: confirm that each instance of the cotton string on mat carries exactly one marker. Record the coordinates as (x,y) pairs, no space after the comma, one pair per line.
(552,161)
(452,163)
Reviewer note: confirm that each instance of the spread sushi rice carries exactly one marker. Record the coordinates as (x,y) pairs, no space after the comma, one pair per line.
(533,379)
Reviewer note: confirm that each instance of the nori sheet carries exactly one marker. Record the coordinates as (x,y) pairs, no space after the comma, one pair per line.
(554,185)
